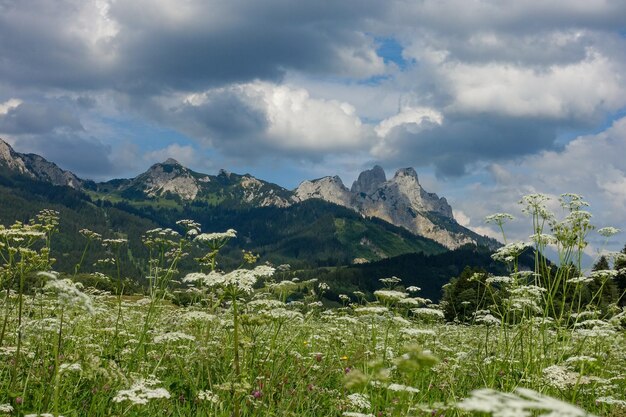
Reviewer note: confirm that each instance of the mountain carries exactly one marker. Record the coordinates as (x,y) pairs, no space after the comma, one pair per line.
(270,220)
(170,180)
(36,167)
(401,201)
(168,189)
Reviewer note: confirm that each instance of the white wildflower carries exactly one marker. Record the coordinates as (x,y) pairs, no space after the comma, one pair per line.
(402,388)
(608,231)
(612,401)
(509,252)
(522,403)
(68,293)
(141,392)
(360,401)
(216,237)
(70,367)
(172,337)
(208,396)
(389,295)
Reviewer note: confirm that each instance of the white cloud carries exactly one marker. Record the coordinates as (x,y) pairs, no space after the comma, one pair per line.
(577,90)
(9,104)
(411,116)
(294,120)
(593,166)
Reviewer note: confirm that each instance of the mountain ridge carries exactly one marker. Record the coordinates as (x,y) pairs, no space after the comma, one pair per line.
(401,200)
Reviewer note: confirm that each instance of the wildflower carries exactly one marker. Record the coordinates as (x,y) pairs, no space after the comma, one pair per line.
(521,403)
(91,235)
(428,312)
(417,332)
(499,218)
(543,239)
(390,281)
(68,293)
(611,400)
(499,280)
(6,408)
(70,367)
(402,388)
(114,242)
(509,252)
(359,401)
(173,337)
(389,295)
(561,378)
(353,414)
(208,396)
(216,237)
(413,288)
(580,280)
(608,231)
(141,392)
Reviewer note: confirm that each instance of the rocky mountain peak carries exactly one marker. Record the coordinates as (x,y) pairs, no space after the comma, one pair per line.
(369,181)
(406,173)
(330,189)
(36,167)
(170,161)
(12,159)
(168,176)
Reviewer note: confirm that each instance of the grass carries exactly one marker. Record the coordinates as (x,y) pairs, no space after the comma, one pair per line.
(239,348)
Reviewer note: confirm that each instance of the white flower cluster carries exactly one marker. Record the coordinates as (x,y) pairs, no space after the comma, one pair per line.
(216,237)
(208,396)
(240,279)
(509,252)
(389,295)
(141,392)
(561,378)
(173,337)
(68,293)
(523,403)
(360,401)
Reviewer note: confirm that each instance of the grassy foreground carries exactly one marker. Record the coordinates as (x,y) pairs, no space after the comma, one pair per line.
(241,348)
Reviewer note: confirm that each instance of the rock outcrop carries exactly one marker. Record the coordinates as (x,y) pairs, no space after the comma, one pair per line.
(330,189)
(36,167)
(401,201)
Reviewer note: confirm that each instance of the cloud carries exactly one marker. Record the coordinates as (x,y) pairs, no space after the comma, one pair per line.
(144,47)
(86,157)
(37,118)
(592,166)
(259,118)
(10,104)
(460,142)
(581,90)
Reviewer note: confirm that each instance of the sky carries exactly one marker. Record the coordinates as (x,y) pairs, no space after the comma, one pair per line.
(488,100)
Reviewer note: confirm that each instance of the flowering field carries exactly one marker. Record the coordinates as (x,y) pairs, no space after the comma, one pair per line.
(241,347)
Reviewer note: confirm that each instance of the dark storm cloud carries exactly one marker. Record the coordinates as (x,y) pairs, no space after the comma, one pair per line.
(222,115)
(39,118)
(146,47)
(461,142)
(86,157)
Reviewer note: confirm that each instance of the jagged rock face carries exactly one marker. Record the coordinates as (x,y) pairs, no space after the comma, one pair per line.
(170,177)
(330,189)
(369,181)
(48,171)
(253,193)
(401,201)
(12,159)
(37,167)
